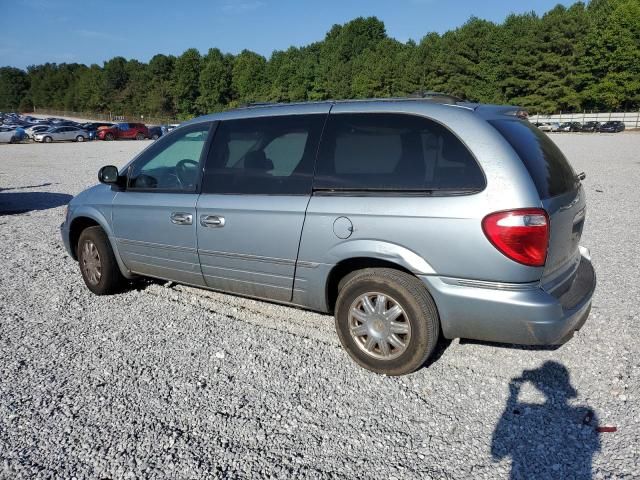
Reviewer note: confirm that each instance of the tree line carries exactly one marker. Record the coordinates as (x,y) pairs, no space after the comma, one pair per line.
(584,57)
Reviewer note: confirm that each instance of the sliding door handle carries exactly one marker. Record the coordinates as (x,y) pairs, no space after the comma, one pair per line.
(212,221)
(182,218)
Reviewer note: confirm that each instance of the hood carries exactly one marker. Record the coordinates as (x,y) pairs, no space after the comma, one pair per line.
(80,198)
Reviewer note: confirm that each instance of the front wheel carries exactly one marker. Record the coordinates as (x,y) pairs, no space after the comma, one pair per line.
(386,320)
(98,264)
(48,140)
(109,136)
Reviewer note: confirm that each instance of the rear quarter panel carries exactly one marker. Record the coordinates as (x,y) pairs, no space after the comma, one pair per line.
(429,235)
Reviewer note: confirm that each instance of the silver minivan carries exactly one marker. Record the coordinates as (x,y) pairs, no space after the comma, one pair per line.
(408,219)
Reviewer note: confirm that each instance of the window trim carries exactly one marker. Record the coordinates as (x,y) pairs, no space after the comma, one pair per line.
(386,192)
(213,125)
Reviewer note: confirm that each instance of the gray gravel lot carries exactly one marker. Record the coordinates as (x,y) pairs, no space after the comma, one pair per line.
(170,381)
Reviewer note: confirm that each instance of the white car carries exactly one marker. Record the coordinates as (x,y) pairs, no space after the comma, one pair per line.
(31,131)
(8,135)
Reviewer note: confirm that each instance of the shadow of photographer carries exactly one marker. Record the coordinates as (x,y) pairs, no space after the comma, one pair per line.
(551,439)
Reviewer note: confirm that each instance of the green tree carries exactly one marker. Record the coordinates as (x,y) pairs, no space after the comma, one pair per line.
(586,56)
(90,88)
(186,80)
(116,76)
(378,71)
(14,86)
(610,65)
(249,80)
(342,45)
(160,96)
(215,81)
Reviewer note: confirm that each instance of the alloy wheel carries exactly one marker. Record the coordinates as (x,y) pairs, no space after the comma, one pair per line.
(91,264)
(379,326)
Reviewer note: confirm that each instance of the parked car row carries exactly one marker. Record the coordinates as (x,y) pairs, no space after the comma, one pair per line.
(17,128)
(607,127)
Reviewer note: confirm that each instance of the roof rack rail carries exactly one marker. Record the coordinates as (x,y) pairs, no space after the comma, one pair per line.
(257,104)
(436,96)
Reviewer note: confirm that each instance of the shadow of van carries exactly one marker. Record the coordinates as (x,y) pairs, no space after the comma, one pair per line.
(15,203)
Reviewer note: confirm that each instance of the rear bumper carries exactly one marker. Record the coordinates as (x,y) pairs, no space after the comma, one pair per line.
(512,313)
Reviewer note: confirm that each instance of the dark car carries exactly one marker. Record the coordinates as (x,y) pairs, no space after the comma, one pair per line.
(612,127)
(67,123)
(155,132)
(570,127)
(590,127)
(92,128)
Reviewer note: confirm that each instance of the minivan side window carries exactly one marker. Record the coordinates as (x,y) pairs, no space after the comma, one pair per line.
(264,155)
(393,152)
(172,164)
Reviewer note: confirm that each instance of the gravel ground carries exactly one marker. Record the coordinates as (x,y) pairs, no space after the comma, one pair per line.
(170,381)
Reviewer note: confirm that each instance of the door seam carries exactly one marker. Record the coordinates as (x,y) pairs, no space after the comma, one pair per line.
(304,218)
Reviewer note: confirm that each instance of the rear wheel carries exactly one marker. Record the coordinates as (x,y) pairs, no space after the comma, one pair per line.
(386,320)
(140,136)
(98,264)
(13,140)
(155,136)
(79,138)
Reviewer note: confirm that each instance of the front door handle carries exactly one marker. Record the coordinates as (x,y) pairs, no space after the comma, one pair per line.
(212,221)
(182,218)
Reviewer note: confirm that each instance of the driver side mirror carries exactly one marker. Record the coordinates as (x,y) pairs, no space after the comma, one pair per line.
(108,175)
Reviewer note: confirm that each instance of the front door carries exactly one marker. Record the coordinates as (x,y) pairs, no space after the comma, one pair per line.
(154,219)
(255,192)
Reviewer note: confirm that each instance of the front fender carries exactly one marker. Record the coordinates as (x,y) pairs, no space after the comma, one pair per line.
(102,216)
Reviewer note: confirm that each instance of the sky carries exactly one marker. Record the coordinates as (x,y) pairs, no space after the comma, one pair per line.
(91,31)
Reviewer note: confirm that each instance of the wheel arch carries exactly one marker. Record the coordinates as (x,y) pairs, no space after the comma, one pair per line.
(349,265)
(78,225)
(93,218)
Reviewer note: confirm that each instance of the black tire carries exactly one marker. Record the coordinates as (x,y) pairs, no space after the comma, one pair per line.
(13,140)
(110,279)
(140,136)
(155,136)
(412,297)
(109,136)
(47,140)
(79,138)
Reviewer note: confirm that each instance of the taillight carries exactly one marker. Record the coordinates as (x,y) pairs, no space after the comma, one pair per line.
(522,235)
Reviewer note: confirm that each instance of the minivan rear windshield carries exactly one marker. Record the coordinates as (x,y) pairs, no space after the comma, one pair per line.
(551,172)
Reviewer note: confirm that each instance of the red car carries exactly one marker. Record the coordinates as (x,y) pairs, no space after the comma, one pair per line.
(137,131)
